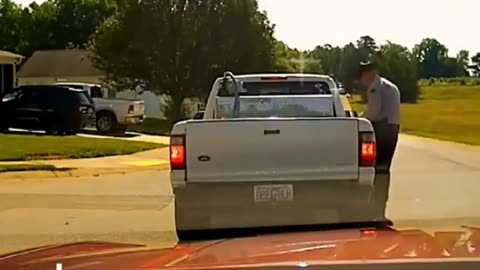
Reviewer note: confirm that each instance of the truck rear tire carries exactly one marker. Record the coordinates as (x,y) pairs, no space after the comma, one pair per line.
(106,122)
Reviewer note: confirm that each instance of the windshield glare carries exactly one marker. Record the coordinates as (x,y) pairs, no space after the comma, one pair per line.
(356,123)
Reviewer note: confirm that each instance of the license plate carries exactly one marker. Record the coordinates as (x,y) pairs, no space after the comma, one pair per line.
(273,193)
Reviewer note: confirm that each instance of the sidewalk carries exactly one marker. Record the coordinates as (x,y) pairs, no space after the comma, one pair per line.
(156,159)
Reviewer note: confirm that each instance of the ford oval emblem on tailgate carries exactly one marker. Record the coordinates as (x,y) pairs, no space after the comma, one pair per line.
(203,158)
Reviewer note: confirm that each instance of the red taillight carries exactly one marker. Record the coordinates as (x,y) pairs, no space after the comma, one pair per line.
(368,149)
(84,109)
(368,233)
(274,78)
(130,109)
(177,153)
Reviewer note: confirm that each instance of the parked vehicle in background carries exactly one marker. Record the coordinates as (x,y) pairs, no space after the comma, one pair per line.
(344,97)
(113,115)
(349,111)
(264,140)
(55,109)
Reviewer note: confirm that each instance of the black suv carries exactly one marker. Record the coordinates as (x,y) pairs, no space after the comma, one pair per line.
(55,109)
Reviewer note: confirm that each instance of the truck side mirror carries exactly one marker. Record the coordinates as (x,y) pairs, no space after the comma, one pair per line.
(199,115)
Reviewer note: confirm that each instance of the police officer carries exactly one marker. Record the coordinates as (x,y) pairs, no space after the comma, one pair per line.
(383,111)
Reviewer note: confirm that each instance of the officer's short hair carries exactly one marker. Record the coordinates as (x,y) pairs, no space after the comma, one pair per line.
(366,67)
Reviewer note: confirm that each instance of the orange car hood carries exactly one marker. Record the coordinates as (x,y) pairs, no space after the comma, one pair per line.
(309,248)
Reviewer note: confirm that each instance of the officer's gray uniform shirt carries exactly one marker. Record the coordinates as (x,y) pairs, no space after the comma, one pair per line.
(384,101)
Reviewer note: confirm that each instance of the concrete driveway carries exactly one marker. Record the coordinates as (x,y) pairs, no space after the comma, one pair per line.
(132,136)
(434,185)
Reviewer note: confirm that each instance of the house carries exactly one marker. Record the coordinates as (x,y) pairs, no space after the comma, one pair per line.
(8,69)
(52,66)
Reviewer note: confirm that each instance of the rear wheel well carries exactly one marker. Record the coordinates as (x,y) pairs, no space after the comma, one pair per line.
(105,112)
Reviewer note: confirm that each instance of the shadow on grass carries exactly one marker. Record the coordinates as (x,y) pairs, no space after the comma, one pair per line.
(115,135)
(153,126)
(84,131)
(28,132)
(30,167)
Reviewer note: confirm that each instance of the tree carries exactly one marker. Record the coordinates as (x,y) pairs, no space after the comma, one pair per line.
(349,65)
(451,68)
(475,67)
(455,67)
(10,26)
(343,63)
(178,47)
(284,56)
(38,31)
(430,55)
(54,24)
(76,20)
(293,60)
(329,58)
(462,63)
(367,47)
(398,64)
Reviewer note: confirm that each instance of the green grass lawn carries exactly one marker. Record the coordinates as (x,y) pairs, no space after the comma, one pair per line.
(31,147)
(152,126)
(445,112)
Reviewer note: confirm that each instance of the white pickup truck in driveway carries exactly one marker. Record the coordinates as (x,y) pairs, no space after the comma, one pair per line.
(271,150)
(112,114)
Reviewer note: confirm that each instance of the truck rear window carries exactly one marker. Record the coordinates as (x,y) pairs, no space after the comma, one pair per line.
(276,88)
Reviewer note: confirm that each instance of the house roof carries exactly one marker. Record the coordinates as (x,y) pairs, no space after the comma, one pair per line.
(9,58)
(59,63)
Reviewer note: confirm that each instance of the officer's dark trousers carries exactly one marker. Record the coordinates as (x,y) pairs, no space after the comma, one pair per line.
(386,136)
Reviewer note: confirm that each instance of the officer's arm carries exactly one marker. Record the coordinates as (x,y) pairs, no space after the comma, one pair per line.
(374,105)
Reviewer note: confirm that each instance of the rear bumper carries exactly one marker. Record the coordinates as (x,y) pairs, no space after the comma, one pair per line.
(133,120)
(366,176)
(87,121)
(207,206)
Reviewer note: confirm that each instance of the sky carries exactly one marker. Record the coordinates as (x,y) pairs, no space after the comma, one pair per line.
(305,24)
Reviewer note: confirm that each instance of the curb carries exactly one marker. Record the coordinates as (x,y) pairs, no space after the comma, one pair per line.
(77,173)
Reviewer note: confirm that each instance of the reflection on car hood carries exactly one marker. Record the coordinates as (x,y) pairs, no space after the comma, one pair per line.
(310,248)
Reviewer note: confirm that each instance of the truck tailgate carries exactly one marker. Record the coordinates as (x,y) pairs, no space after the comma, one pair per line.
(139,108)
(121,107)
(272,150)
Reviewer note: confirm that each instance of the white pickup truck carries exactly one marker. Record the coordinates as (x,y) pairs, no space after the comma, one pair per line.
(268,148)
(112,114)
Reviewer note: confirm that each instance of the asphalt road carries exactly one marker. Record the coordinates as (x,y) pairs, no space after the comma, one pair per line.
(434,185)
